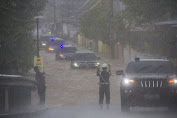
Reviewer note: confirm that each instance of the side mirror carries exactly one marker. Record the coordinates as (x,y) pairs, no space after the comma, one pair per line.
(120,72)
(98,58)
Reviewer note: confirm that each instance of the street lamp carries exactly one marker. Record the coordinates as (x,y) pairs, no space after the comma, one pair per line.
(37,23)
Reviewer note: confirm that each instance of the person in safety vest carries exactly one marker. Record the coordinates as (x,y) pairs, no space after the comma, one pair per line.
(104,83)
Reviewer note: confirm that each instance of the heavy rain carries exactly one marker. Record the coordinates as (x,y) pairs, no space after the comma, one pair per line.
(88,59)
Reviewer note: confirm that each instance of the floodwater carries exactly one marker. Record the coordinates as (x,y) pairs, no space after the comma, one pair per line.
(73,93)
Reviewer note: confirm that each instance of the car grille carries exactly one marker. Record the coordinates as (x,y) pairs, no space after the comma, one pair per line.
(88,63)
(152,83)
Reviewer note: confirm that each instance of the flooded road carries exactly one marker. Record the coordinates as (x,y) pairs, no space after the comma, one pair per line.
(66,86)
(73,93)
(93,111)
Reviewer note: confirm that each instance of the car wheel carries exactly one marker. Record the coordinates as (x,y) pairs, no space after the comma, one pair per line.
(125,107)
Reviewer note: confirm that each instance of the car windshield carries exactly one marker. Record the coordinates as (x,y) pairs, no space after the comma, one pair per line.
(85,57)
(68,50)
(157,67)
(46,38)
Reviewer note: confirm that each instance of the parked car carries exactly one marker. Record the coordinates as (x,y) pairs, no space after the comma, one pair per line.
(84,59)
(65,52)
(148,83)
(55,43)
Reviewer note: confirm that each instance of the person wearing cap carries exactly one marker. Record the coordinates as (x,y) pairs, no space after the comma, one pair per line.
(104,83)
(40,81)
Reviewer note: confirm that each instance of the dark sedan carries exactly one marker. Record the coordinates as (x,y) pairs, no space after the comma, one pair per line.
(84,59)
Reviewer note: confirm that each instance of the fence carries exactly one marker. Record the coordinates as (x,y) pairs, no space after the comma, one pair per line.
(122,53)
(101,47)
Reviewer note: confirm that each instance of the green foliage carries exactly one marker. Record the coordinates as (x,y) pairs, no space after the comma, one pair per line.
(149,11)
(16,40)
(144,13)
(119,28)
(94,23)
(137,13)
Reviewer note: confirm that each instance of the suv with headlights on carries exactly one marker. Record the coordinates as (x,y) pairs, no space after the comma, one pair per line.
(65,52)
(148,83)
(84,59)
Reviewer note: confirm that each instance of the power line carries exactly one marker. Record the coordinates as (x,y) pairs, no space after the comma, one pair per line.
(50,3)
(91,8)
(84,4)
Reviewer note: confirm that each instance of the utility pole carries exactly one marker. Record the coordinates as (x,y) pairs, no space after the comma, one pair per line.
(55,33)
(37,22)
(62,24)
(54,13)
(110,28)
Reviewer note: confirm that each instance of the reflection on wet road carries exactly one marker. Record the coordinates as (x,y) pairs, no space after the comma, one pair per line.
(93,111)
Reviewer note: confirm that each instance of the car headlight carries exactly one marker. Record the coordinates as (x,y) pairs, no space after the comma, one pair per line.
(43,44)
(96,64)
(51,49)
(76,65)
(173,81)
(128,81)
(62,56)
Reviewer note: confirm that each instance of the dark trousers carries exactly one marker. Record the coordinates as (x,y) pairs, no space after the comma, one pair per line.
(104,90)
(42,97)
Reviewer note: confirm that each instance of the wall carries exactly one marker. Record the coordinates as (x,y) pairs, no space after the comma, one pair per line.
(100,47)
(123,54)
(65,29)
(130,54)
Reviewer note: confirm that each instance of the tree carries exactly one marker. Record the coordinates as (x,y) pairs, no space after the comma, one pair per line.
(16,40)
(144,14)
(94,22)
(140,14)
(149,11)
